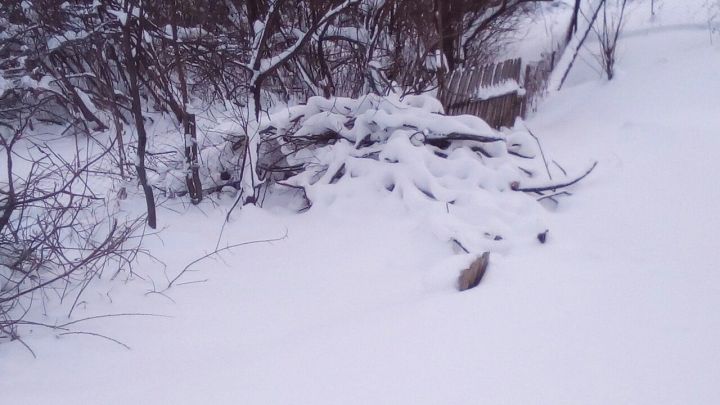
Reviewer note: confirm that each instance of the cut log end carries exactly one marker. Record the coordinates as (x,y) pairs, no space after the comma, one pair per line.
(471,277)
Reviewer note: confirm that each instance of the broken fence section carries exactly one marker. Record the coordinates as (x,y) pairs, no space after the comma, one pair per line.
(499,92)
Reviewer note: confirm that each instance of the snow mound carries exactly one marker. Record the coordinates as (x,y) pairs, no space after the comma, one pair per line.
(454,173)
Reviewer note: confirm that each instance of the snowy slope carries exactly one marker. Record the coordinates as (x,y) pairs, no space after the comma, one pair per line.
(620,307)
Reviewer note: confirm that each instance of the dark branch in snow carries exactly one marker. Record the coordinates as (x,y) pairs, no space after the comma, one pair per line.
(540,189)
(462,137)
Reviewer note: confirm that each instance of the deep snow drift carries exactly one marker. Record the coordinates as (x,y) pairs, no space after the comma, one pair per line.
(619,307)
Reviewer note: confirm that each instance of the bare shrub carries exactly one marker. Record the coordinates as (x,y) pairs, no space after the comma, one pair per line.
(56,233)
(608,34)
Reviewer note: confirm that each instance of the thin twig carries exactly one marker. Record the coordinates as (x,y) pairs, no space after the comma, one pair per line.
(216,251)
(541,151)
(96,335)
(460,245)
(552,196)
(560,167)
(65,325)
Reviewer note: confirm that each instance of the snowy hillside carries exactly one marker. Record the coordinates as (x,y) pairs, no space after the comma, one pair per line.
(354,300)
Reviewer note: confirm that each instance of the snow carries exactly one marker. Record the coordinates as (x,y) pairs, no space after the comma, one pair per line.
(459,195)
(357,304)
(506,87)
(384,114)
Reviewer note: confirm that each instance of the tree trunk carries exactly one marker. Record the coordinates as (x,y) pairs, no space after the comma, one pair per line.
(255,89)
(192,171)
(136,107)
(573,22)
(192,175)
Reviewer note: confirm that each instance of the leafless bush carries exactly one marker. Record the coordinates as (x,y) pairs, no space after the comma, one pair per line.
(101,66)
(608,30)
(56,233)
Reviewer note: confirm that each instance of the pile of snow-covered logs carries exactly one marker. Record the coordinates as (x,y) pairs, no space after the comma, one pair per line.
(476,187)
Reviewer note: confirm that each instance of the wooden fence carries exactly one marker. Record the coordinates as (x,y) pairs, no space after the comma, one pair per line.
(535,81)
(481,91)
(498,93)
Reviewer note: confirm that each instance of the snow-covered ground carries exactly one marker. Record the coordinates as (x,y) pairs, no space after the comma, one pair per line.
(619,307)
